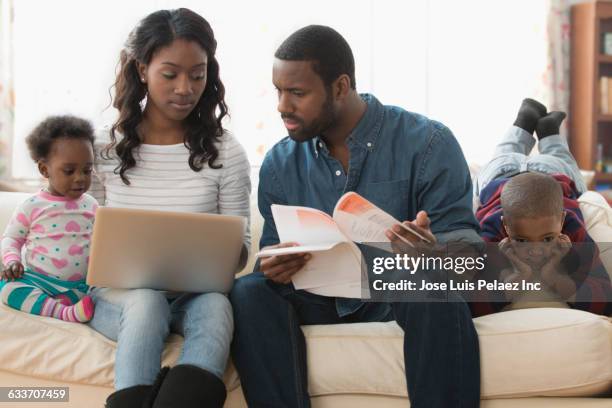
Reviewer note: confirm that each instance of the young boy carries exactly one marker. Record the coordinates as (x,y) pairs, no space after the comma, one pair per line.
(529,205)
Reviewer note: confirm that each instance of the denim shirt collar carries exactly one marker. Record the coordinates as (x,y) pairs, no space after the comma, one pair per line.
(367,130)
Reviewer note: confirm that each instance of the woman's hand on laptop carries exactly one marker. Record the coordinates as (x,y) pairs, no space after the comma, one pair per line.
(13,270)
(281,268)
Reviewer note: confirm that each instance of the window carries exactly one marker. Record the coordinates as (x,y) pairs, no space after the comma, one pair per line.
(467,64)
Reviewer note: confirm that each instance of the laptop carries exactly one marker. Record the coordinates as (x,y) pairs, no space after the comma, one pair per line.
(164,250)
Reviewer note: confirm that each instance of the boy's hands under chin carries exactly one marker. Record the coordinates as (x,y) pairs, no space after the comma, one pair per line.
(551,273)
(522,270)
(13,270)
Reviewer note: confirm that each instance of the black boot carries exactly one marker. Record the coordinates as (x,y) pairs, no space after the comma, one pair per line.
(131,397)
(138,396)
(188,386)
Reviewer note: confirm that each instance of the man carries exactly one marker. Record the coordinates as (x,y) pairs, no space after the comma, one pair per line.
(409,166)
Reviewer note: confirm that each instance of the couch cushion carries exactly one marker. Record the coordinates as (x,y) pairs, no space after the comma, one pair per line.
(598,219)
(545,352)
(64,351)
(538,352)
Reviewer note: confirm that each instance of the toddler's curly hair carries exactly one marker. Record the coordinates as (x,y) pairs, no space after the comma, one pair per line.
(40,140)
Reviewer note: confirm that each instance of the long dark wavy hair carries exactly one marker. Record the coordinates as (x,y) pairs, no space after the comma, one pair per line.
(203,125)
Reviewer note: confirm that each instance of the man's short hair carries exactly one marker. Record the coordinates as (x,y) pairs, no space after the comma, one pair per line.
(531,195)
(329,52)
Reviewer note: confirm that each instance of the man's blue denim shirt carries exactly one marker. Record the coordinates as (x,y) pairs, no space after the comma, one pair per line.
(401,161)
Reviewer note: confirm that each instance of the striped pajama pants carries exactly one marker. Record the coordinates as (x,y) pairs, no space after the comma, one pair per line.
(34,292)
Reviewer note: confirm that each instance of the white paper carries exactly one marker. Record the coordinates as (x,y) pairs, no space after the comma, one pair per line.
(335,268)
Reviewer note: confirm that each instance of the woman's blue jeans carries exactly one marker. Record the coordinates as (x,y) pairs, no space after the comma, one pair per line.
(139,320)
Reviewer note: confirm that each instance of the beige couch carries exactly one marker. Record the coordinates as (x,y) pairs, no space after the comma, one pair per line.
(539,357)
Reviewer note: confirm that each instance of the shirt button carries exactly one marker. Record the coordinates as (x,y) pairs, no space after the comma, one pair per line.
(369,144)
(338,172)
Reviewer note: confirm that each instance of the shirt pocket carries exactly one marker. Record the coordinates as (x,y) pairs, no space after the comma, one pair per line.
(392,197)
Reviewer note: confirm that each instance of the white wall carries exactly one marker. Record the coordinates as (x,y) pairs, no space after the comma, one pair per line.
(467,64)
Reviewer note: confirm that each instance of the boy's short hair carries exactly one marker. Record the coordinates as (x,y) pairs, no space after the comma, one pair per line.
(41,139)
(531,195)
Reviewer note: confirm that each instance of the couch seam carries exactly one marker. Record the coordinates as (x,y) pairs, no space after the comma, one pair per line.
(609,381)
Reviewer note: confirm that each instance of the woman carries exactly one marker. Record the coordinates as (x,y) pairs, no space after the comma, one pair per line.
(168,150)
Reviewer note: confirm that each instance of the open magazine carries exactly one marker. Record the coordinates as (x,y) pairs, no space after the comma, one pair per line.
(335,268)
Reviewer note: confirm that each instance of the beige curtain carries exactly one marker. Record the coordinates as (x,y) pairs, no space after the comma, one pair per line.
(7,95)
(557,76)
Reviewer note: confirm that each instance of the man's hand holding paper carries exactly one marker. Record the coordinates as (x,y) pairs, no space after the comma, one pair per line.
(281,268)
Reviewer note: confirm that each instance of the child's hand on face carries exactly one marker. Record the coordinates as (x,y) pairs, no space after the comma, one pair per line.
(523,269)
(13,270)
(550,270)
(564,244)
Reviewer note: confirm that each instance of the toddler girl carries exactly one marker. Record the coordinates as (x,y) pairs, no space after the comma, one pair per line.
(53,227)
